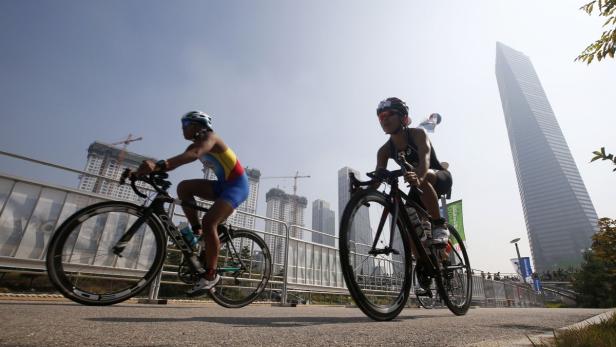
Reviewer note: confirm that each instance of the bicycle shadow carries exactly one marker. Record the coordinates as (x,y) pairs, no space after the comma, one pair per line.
(280,322)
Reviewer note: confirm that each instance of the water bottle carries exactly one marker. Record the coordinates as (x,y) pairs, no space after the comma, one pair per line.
(189,236)
(419,229)
(427,227)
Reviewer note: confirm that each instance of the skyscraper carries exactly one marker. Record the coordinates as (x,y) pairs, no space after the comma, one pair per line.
(560,217)
(103,161)
(361,232)
(323,220)
(248,206)
(283,206)
(344,194)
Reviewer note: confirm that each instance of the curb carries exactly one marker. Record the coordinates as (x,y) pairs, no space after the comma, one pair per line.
(590,321)
(35,296)
(539,338)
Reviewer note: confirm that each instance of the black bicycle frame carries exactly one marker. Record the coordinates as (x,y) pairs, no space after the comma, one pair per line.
(397,201)
(156,210)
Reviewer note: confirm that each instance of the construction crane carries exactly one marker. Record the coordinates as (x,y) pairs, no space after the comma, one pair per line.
(125,143)
(297,175)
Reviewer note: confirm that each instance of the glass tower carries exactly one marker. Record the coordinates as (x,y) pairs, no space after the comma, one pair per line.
(559,215)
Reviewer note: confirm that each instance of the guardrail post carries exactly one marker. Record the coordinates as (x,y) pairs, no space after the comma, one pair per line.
(283,301)
(155,286)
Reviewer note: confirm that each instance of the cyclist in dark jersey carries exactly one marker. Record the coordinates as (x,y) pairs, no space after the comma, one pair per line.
(228,191)
(429,175)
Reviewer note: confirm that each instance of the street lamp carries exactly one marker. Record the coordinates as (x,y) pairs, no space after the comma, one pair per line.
(517,250)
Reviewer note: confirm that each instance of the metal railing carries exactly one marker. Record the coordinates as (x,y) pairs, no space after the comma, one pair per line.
(30,211)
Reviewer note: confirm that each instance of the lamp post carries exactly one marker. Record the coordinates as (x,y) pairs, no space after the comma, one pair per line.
(517,250)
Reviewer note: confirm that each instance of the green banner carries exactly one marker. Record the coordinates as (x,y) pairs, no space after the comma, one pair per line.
(454,217)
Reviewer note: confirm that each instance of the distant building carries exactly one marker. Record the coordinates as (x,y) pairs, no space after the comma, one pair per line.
(323,220)
(103,161)
(560,217)
(361,232)
(287,208)
(248,206)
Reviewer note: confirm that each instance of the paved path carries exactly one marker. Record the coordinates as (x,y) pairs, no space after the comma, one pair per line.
(30,323)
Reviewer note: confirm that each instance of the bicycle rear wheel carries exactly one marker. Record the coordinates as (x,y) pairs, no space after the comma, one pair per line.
(245,264)
(81,261)
(378,278)
(455,282)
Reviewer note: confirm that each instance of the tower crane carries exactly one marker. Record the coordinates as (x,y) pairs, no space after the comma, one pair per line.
(295,177)
(125,143)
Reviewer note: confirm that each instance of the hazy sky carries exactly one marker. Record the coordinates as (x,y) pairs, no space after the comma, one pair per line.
(293,86)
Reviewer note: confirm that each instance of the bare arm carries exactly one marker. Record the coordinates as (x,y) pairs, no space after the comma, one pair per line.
(193,152)
(381,162)
(381,158)
(423,152)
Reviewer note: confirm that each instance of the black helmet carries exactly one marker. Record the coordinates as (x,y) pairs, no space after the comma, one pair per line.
(393,104)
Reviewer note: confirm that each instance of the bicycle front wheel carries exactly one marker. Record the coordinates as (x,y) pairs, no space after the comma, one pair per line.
(245,264)
(375,255)
(87,262)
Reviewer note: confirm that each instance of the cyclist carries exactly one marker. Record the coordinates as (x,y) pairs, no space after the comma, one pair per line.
(429,175)
(228,191)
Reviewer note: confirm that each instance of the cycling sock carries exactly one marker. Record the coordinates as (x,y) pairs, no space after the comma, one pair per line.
(209,273)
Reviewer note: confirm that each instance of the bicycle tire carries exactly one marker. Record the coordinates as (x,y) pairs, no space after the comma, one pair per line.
(99,270)
(236,292)
(350,249)
(447,279)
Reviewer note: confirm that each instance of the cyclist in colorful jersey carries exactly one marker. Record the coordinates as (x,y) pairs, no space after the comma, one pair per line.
(429,175)
(227,192)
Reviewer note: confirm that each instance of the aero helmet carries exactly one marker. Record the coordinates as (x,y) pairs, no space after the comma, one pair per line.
(198,117)
(396,105)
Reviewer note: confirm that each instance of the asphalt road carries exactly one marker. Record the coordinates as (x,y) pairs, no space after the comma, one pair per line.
(30,323)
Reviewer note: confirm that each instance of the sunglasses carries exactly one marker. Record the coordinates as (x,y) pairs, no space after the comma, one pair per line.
(386,114)
(186,123)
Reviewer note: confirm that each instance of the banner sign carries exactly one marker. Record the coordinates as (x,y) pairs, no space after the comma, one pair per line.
(455,219)
(525,271)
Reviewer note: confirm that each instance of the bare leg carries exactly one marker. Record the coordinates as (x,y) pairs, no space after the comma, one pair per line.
(187,190)
(220,211)
(429,197)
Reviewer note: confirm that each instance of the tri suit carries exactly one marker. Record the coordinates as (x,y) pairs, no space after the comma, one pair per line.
(232,183)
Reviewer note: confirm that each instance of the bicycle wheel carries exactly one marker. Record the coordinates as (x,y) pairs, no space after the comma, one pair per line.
(82,264)
(379,278)
(245,264)
(455,282)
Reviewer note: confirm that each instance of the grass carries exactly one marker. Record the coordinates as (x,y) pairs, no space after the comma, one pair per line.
(602,334)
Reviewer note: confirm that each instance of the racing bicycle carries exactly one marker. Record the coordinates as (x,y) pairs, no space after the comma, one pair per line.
(111,251)
(380,231)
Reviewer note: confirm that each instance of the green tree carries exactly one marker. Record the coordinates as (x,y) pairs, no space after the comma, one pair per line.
(600,154)
(604,244)
(606,45)
(596,280)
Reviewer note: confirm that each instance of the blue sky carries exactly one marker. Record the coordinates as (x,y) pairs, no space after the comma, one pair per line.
(293,86)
